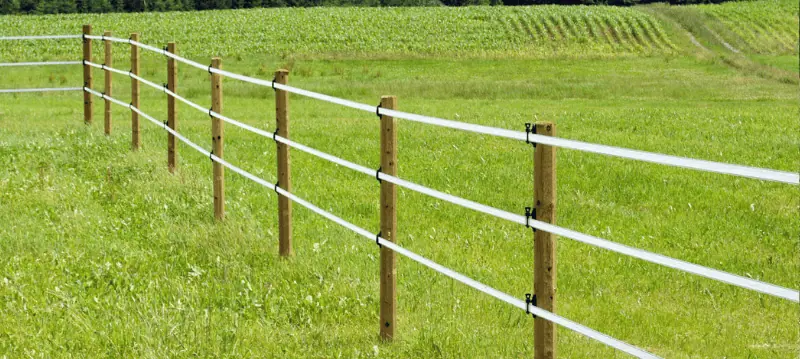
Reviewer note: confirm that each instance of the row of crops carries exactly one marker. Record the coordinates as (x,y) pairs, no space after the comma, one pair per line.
(539,31)
(763,27)
(597,30)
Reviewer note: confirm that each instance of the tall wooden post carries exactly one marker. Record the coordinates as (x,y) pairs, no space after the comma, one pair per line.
(544,283)
(217,141)
(135,139)
(388,221)
(172,120)
(87,75)
(108,90)
(284,166)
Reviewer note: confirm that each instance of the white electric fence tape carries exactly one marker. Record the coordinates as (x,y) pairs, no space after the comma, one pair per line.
(44,37)
(700,165)
(711,273)
(520,304)
(45,63)
(53,89)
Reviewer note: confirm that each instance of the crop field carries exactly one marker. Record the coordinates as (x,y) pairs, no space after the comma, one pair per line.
(103,253)
(531,32)
(767,27)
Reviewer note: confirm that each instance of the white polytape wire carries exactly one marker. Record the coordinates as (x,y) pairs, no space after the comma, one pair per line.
(701,165)
(614,343)
(130,74)
(711,273)
(149,48)
(44,63)
(564,322)
(92,64)
(52,89)
(151,119)
(42,37)
(591,333)
(169,54)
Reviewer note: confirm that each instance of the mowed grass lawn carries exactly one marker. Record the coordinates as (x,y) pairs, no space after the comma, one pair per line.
(103,253)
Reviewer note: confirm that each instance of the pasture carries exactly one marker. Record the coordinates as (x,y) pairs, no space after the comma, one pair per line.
(103,253)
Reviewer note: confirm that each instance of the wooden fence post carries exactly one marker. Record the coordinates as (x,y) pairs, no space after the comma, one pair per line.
(108,90)
(544,284)
(217,133)
(135,140)
(284,166)
(172,77)
(388,231)
(87,75)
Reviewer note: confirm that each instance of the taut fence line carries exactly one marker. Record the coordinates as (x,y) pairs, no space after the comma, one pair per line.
(541,216)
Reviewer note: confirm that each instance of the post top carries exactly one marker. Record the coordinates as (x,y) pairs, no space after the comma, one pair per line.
(545,128)
(389,102)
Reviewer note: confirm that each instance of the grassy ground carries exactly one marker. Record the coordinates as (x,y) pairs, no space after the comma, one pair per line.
(104,254)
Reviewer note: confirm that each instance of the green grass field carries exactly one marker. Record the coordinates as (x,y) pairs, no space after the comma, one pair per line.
(103,253)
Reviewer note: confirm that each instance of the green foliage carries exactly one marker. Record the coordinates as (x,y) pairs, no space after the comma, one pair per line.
(9,6)
(104,6)
(529,32)
(765,27)
(104,253)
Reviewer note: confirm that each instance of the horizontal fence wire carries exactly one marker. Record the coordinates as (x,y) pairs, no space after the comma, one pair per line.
(518,303)
(44,63)
(51,89)
(736,280)
(42,37)
(725,277)
(669,160)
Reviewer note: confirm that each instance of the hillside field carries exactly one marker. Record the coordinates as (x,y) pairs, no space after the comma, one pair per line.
(103,253)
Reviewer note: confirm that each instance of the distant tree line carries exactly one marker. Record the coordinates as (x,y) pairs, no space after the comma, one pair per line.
(102,6)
